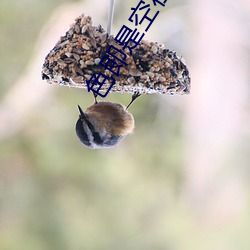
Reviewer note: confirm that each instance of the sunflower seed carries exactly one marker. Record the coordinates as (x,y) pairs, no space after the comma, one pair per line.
(85,46)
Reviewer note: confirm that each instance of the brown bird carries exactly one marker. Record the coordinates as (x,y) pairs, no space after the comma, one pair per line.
(104,124)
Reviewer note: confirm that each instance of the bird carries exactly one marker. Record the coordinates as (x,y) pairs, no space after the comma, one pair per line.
(104,124)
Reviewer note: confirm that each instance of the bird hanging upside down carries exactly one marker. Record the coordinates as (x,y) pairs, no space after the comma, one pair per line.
(104,124)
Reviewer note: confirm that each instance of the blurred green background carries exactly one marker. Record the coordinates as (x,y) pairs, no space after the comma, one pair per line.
(181,181)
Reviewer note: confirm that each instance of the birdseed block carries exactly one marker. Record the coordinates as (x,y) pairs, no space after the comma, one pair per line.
(150,69)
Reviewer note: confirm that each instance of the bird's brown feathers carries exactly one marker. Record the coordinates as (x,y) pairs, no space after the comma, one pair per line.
(111,117)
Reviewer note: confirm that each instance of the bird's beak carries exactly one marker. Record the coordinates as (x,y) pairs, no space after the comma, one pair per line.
(82,115)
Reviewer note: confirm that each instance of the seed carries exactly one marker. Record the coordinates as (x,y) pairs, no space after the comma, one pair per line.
(78,51)
(77,79)
(84,28)
(68,54)
(78,70)
(61,62)
(150,74)
(93,42)
(77,57)
(64,43)
(134,72)
(131,80)
(88,71)
(103,37)
(152,69)
(97,61)
(144,78)
(88,62)
(147,43)
(77,29)
(85,46)
(87,76)
(154,49)
(69,60)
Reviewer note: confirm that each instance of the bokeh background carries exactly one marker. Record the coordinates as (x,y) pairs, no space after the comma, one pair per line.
(180,182)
